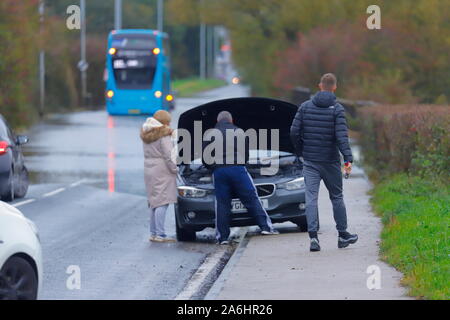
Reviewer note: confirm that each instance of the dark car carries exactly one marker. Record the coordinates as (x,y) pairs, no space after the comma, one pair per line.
(13,173)
(282,194)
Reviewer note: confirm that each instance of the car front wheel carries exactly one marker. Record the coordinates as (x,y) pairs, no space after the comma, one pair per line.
(22,184)
(18,281)
(185,234)
(301,223)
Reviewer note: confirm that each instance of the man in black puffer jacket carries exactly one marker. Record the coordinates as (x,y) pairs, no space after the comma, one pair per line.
(230,177)
(318,132)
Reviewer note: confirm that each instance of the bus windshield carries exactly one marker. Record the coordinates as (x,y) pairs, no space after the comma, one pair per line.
(134,65)
(133,41)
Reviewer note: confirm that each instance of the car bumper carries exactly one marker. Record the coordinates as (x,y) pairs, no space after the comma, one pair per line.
(199,213)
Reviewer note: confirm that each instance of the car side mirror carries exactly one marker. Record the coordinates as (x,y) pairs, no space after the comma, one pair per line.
(21,140)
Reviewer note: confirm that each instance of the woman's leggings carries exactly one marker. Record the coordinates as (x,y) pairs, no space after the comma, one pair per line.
(157,220)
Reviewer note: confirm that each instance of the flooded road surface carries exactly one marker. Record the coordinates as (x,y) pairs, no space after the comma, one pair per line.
(87,197)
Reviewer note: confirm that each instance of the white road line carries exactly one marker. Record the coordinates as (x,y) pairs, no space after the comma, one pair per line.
(201,274)
(52,193)
(75,184)
(18,204)
(48,194)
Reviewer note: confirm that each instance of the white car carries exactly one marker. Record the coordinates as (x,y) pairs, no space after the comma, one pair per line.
(20,256)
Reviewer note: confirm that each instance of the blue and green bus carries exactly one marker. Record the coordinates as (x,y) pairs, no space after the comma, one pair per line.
(137,72)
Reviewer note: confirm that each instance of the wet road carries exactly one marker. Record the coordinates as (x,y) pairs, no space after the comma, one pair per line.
(88,200)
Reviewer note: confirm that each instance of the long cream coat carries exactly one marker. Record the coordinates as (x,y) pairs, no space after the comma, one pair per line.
(159,169)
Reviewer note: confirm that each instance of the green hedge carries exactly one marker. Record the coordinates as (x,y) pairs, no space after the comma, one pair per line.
(406,138)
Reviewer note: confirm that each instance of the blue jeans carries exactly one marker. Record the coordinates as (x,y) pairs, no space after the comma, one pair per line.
(236,180)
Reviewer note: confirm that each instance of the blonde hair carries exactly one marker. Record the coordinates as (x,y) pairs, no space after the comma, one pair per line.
(163,116)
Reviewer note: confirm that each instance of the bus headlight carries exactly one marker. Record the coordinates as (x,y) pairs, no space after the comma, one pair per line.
(158,94)
(112,51)
(156,51)
(110,94)
(169,97)
(295,184)
(191,192)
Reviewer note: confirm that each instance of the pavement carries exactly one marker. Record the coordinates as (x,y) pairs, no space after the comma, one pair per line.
(282,268)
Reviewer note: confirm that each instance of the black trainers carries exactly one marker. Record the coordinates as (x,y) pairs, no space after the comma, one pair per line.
(315,246)
(345,239)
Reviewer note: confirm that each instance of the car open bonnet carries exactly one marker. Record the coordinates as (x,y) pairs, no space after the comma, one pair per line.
(248,113)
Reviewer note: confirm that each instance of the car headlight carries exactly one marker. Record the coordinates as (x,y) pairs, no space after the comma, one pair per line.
(191,192)
(295,184)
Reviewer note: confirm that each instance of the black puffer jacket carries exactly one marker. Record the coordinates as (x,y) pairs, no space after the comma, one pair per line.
(319,130)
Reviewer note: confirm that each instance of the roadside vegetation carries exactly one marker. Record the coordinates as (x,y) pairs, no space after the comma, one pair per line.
(416,214)
(278,45)
(407,152)
(191,86)
(22,38)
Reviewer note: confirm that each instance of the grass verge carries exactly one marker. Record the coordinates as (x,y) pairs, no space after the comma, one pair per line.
(416,215)
(191,86)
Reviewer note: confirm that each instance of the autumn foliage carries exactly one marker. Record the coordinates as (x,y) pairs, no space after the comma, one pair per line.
(18,57)
(278,45)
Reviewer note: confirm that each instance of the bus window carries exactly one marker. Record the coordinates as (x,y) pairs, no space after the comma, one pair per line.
(133,41)
(134,64)
(136,73)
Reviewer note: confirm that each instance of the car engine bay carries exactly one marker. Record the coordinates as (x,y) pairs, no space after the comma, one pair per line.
(198,174)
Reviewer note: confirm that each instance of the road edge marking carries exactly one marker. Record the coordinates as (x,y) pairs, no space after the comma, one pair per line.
(208,267)
(18,204)
(48,194)
(198,278)
(54,192)
(218,285)
(77,183)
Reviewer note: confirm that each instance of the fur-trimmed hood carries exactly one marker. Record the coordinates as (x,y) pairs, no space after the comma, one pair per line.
(153,130)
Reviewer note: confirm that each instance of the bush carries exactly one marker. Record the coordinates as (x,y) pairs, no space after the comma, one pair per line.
(406,138)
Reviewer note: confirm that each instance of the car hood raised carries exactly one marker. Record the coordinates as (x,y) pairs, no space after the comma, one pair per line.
(248,113)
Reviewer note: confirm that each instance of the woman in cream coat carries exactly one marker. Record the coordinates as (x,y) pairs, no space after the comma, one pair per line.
(159,171)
